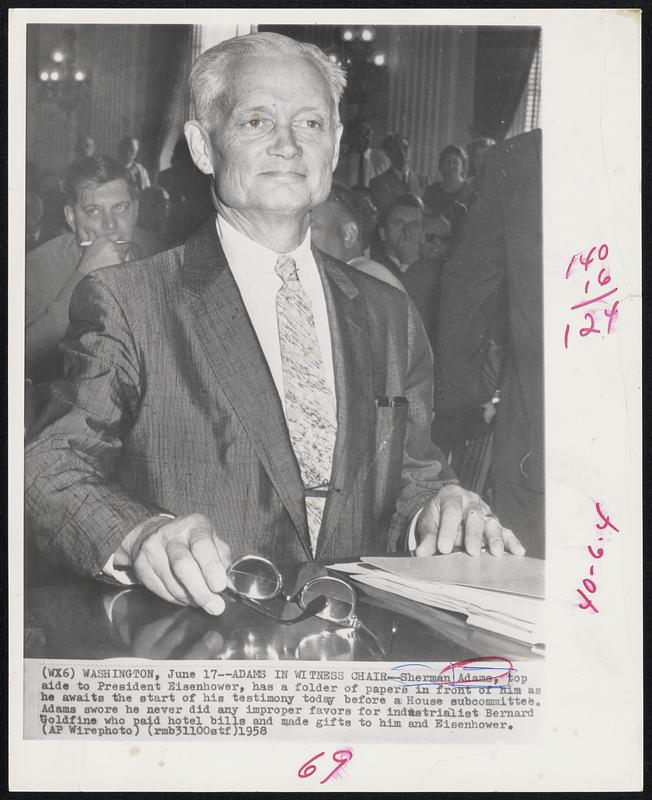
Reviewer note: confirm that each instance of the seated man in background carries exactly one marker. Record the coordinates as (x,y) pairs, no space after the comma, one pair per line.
(400,178)
(341,226)
(402,243)
(101,210)
(244,393)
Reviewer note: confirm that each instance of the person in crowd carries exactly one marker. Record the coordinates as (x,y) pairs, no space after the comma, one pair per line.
(499,256)
(154,209)
(101,209)
(477,149)
(189,191)
(341,226)
(127,153)
(229,396)
(358,162)
(85,146)
(399,178)
(452,196)
(401,234)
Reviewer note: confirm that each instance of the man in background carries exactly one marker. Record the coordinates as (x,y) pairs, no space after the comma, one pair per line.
(358,162)
(401,249)
(127,153)
(501,251)
(399,178)
(341,226)
(101,210)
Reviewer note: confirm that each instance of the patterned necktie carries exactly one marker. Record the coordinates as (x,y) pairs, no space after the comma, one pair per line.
(309,402)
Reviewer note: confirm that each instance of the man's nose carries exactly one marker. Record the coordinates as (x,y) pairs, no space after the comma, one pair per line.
(109,223)
(285,142)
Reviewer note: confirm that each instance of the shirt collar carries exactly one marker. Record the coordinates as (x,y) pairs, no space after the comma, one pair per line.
(241,250)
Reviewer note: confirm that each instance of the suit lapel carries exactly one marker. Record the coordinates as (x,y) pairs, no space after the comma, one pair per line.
(237,361)
(351,363)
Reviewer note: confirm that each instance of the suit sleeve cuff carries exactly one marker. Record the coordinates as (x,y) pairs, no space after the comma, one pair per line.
(118,568)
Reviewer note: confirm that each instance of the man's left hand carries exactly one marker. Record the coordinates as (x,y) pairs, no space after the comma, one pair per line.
(458,517)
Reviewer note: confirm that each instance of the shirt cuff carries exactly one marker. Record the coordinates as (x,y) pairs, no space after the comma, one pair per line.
(412,536)
(122,572)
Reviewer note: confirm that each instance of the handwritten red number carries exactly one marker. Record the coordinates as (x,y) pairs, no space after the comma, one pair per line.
(308,769)
(345,755)
(599,554)
(589,604)
(604,277)
(586,262)
(603,252)
(592,328)
(588,583)
(611,315)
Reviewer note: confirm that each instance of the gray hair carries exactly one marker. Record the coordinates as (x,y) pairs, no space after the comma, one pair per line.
(209,72)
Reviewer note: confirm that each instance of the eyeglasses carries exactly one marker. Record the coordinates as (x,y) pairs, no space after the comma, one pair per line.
(254,579)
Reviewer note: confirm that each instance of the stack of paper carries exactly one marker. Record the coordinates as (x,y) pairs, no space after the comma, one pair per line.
(502,595)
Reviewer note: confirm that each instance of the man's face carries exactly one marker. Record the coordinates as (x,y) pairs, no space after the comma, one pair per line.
(87,146)
(402,233)
(452,167)
(326,229)
(104,209)
(273,141)
(399,154)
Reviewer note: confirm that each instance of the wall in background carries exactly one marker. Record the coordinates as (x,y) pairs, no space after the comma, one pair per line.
(130,70)
(431,89)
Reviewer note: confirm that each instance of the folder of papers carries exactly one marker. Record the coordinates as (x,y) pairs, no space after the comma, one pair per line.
(502,595)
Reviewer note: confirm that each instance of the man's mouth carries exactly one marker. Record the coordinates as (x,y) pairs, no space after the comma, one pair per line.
(284,175)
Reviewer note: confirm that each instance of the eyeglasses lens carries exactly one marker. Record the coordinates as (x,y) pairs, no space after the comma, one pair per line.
(339,595)
(255,578)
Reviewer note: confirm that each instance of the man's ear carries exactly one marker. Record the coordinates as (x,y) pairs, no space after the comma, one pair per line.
(199,146)
(350,234)
(70,218)
(338,136)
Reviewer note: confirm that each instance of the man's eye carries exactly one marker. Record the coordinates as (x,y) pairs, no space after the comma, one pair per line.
(92,212)
(312,124)
(120,208)
(255,123)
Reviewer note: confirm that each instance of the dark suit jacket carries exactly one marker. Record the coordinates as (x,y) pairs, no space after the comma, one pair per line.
(168,404)
(500,242)
(387,187)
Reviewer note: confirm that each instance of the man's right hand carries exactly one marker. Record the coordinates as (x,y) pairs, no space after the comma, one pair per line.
(100,250)
(181,560)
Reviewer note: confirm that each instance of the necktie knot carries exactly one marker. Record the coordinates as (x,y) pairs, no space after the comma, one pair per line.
(286,269)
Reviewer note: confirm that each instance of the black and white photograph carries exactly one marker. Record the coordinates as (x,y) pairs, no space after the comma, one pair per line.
(287,308)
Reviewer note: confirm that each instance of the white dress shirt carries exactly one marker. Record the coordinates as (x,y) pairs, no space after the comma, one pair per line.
(252,266)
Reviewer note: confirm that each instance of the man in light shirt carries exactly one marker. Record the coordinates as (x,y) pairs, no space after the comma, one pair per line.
(171,445)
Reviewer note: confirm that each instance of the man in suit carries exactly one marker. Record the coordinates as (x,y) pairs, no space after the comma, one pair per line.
(500,249)
(401,250)
(201,383)
(358,162)
(400,178)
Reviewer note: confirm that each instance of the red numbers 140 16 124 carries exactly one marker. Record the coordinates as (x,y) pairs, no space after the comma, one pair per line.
(340,757)
(603,293)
